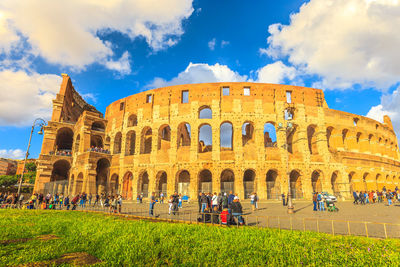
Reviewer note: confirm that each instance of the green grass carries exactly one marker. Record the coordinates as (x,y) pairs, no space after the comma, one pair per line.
(117,241)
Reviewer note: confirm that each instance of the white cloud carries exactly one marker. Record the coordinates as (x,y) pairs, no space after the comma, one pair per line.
(70,33)
(12,153)
(26,96)
(201,73)
(122,65)
(276,72)
(345,42)
(224,43)
(389,106)
(211,44)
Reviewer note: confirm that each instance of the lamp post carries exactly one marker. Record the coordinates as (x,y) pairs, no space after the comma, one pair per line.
(287,116)
(38,122)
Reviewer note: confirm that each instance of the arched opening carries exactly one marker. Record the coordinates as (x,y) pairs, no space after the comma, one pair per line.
(335,183)
(205,181)
(351,182)
(64,139)
(226,136)
(114,184)
(291,140)
(132,120)
(344,138)
(98,126)
(227,181)
(130,143)
(161,183)
(77,142)
(117,143)
(273,186)
(205,112)
(247,133)
(102,170)
(59,178)
(249,178)
(269,135)
(380,181)
(143,184)
(146,141)
(79,184)
(365,181)
(184,135)
(127,186)
(328,137)
(96,141)
(183,182)
(107,143)
(164,137)
(295,184)
(316,181)
(312,139)
(205,138)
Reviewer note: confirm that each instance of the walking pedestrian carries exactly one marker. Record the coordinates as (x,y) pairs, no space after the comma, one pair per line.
(152,203)
(315,199)
(283,199)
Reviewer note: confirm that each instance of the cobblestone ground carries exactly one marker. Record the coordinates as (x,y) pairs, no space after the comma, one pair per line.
(273,214)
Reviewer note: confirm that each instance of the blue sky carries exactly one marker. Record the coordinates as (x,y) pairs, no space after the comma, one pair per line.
(348,48)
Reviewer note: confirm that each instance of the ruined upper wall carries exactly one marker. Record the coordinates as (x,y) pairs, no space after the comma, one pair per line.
(69,105)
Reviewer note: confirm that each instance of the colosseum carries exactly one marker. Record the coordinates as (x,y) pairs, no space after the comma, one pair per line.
(214,137)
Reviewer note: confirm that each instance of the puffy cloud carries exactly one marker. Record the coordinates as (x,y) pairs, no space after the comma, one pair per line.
(345,42)
(70,33)
(276,72)
(224,43)
(389,106)
(201,73)
(26,96)
(12,153)
(211,44)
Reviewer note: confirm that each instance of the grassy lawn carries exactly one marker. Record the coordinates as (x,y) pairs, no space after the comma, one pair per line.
(116,241)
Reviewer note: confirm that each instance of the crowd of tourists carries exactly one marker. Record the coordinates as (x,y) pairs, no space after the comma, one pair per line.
(371,197)
(11,200)
(99,149)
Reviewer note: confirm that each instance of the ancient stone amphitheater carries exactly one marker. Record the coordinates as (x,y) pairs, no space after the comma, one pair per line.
(215,137)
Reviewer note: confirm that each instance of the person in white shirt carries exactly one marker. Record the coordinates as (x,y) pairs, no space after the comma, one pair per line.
(214,201)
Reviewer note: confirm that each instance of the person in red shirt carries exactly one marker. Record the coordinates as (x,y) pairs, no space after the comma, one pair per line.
(224,216)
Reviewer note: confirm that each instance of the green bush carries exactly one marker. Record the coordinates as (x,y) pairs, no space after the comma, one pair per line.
(117,241)
(8,180)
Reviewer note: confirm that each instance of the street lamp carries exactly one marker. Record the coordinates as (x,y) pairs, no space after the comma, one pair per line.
(287,117)
(38,122)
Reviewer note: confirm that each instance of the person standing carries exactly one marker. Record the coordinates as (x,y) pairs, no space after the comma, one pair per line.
(283,199)
(237,210)
(252,201)
(389,197)
(180,201)
(231,197)
(225,201)
(355,196)
(321,202)
(175,203)
(204,202)
(199,201)
(119,204)
(90,199)
(161,198)
(315,199)
(152,203)
(214,201)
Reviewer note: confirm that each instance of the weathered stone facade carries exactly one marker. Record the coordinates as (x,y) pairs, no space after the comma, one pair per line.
(158,143)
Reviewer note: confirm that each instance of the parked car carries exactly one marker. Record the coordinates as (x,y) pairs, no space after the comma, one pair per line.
(329,197)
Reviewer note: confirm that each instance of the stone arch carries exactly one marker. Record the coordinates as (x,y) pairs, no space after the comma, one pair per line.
(164,137)
(312,139)
(205,181)
(98,126)
(273,185)
(380,181)
(205,112)
(329,142)
(130,146)
(249,182)
(247,133)
(365,182)
(132,120)
(182,182)
(77,143)
(146,140)
(292,140)
(371,142)
(227,181)
(117,143)
(96,141)
(184,134)
(352,186)
(205,138)
(102,172)
(127,185)
(79,184)
(269,135)
(59,177)
(161,183)
(114,184)
(107,143)
(143,184)
(296,187)
(64,139)
(226,136)
(335,183)
(316,183)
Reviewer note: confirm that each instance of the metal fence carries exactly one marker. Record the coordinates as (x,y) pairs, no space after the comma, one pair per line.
(329,226)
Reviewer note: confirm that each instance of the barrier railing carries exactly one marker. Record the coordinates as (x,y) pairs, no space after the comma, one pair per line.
(329,226)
